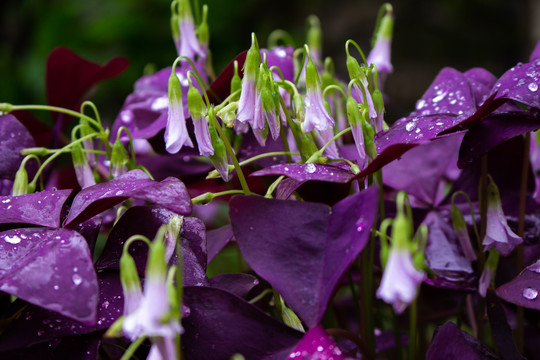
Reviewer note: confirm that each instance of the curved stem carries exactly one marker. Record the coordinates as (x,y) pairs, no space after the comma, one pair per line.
(60,110)
(60,151)
(230,151)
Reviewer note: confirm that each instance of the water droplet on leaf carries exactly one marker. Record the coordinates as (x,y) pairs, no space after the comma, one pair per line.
(530,293)
(533,87)
(310,168)
(77,279)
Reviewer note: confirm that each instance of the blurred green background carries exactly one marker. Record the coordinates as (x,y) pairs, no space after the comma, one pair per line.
(429,35)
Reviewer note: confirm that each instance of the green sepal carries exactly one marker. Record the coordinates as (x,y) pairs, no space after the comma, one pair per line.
(119,158)
(20,183)
(195,103)
(253,60)
(128,273)
(313,81)
(353,112)
(369,135)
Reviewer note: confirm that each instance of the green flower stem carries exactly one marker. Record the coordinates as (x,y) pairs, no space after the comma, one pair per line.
(273,186)
(282,35)
(126,130)
(357,48)
(93,107)
(58,153)
(413,317)
(227,100)
(130,351)
(335,137)
(200,80)
(297,138)
(60,110)
(231,154)
(203,198)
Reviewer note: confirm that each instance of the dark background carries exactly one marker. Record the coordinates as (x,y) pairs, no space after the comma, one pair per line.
(428,36)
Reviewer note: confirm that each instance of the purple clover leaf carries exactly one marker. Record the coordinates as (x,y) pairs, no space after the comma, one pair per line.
(523,289)
(13,138)
(324,245)
(209,334)
(42,208)
(310,171)
(463,346)
(52,269)
(145,221)
(170,193)
(317,344)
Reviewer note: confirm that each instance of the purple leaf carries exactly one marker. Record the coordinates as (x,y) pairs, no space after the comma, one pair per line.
(523,289)
(521,83)
(50,268)
(481,82)
(463,346)
(37,325)
(443,254)
(42,208)
(450,93)
(145,221)
(489,132)
(216,239)
(13,138)
(90,231)
(324,246)
(421,170)
(209,334)
(317,344)
(286,187)
(237,284)
(306,172)
(170,193)
(70,77)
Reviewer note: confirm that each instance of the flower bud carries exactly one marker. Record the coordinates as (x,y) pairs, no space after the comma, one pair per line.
(119,159)
(20,183)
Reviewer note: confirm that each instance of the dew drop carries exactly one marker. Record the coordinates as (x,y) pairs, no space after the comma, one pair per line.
(40,333)
(310,168)
(12,239)
(417,131)
(286,169)
(320,348)
(439,97)
(410,126)
(530,293)
(77,279)
(533,87)
(55,287)
(420,104)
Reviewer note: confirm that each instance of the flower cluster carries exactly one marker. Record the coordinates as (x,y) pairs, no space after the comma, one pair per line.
(289,218)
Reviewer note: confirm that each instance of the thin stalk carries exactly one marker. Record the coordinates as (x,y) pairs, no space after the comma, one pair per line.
(60,110)
(231,154)
(60,151)
(519,334)
(132,348)
(412,328)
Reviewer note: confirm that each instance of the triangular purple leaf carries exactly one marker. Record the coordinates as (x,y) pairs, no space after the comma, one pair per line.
(70,77)
(237,284)
(209,334)
(37,325)
(449,93)
(170,193)
(13,138)
(489,132)
(523,289)
(216,239)
(521,83)
(41,208)
(306,172)
(145,221)
(420,171)
(317,344)
(463,346)
(50,268)
(324,246)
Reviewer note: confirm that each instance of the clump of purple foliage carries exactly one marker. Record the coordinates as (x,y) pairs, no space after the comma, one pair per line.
(414,240)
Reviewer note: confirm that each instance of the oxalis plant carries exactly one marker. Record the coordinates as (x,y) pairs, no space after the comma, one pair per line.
(272,212)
